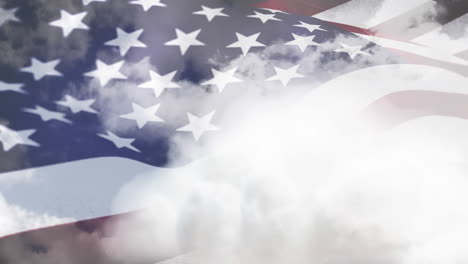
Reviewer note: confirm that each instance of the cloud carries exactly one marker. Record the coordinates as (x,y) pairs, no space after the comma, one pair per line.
(15,219)
(33,34)
(450,38)
(283,183)
(300,182)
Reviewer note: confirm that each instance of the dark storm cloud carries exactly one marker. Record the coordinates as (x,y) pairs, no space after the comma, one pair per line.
(450,10)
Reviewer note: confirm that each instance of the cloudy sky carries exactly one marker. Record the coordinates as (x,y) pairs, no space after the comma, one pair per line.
(298,175)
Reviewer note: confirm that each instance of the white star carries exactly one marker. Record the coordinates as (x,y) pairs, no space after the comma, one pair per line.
(160,82)
(221,79)
(125,41)
(47,115)
(13,87)
(245,43)
(185,40)
(352,51)
(40,69)
(274,11)
(285,75)
(143,115)
(69,22)
(10,138)
(199,125)
(310,27)
(76,105)
(210,13)
(119,142)
(264,17)
(106,72)
(147,4)
(8,15)
(87,2)
(302,41)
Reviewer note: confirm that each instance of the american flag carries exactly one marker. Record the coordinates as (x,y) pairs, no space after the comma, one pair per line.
(96,93)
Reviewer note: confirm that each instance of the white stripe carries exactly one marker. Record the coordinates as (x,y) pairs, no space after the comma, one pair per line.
(334,109)
(366,14)
(78,190)
(450,38)
(353,92)
(445,55)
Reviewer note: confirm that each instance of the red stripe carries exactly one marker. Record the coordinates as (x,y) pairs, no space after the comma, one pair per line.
(364,31)
(76,242)
(402,26)
(417,59)
(302,7)
(352,29)
(88,225)
(397,108)
(310,8)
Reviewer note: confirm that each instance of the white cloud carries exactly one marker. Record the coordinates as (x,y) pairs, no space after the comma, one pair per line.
(451,38)
(305,184)
(14,219)
(368,13)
